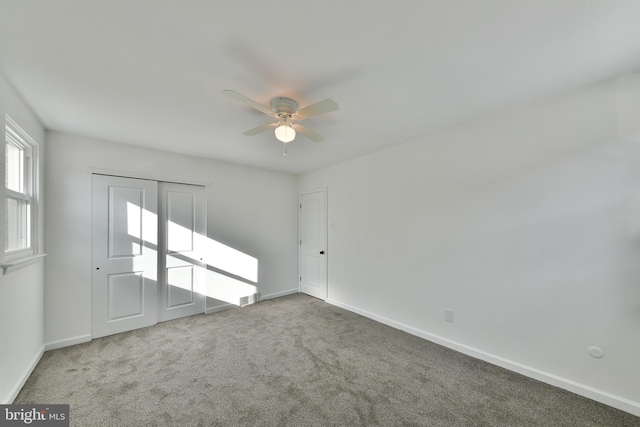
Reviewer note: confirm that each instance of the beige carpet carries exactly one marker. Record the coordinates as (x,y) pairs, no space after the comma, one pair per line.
(294,361)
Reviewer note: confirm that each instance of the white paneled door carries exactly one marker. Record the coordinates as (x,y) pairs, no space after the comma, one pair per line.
(125,228)
(313,244)
(182,231)
(146,262)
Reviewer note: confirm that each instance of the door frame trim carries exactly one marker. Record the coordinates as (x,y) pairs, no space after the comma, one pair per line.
(325,191)
(149,177)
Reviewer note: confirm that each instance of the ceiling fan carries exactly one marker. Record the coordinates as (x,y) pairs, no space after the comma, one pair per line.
(286,111)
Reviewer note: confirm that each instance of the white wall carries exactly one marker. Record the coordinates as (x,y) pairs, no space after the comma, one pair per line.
(526,224)
(628,101)
(21,291)
(251,210)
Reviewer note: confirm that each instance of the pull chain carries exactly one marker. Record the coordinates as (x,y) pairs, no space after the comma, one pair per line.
(285,150)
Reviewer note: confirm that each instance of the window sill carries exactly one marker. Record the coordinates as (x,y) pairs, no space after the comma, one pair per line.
(20,263)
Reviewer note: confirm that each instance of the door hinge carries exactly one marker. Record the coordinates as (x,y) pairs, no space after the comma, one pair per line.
(300,205)
(300,242)
(301,278)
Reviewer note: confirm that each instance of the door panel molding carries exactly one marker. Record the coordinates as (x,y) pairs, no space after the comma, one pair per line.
(124,258)
(181,270)
(133,220)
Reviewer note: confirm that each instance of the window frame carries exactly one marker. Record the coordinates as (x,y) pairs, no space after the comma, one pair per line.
(16,136)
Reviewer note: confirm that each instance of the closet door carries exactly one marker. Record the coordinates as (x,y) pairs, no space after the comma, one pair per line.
(124,251)
(182,240)
(313,244)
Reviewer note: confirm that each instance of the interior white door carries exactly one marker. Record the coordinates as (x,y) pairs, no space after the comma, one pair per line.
(313,244)
(125,228)
(182,241)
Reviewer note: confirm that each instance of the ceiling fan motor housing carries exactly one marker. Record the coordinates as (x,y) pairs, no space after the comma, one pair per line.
(284,105)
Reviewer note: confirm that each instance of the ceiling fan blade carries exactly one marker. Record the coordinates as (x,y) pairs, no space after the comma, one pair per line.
(322,107)
(305,131)
(259,129)
(249,102)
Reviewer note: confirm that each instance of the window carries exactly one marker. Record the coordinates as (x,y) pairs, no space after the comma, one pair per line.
(20,191)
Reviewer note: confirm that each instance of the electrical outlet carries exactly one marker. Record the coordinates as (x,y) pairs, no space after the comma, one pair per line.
(448,315)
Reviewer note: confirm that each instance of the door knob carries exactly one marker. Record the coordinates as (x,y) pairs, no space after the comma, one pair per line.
(321,252)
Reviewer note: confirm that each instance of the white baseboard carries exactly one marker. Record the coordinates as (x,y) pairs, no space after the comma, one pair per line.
(279,294)
(67,342)
(218,308)
(554,380)
(23,378)
(223,307)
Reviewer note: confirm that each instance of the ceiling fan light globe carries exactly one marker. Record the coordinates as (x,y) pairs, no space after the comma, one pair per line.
(285,133)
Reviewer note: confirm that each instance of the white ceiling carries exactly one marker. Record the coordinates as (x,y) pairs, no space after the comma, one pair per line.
(151,73)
